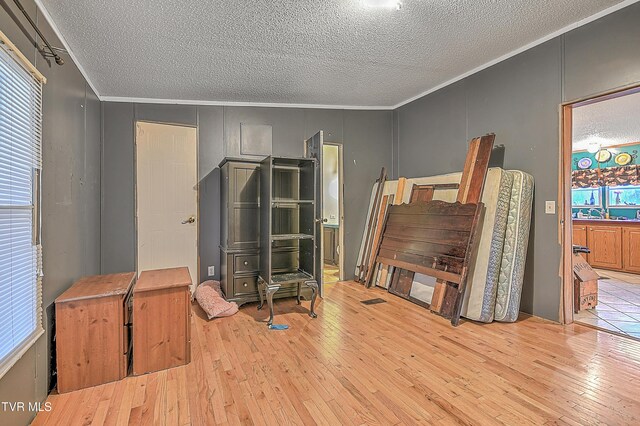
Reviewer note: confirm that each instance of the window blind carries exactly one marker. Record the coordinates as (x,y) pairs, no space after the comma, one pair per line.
(20,252)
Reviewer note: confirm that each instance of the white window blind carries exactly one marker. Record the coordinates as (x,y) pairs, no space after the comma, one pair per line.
(20,252)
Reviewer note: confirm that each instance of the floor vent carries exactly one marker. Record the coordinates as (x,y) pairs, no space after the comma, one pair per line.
(373,301)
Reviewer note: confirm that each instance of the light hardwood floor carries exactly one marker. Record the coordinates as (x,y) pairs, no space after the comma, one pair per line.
(390,363)
(330,274)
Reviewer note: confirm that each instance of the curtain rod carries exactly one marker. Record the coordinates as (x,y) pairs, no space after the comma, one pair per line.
(19,56)
(53,54)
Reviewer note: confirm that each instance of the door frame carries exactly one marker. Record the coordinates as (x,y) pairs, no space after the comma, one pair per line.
(565,222)
(135,189)
(340,207)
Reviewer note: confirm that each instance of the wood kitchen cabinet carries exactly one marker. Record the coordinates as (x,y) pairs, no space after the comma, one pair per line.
(631,249)
(580,238)
(614,245)
(330,244)
(605,243)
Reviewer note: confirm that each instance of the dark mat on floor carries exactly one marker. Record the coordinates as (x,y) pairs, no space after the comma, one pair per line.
(373,301)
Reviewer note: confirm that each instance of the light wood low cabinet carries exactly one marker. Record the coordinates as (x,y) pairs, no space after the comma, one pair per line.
(161,320)
(92,323)
(580,236)
(614,245)
(105,321)
(605,243)
(631,249)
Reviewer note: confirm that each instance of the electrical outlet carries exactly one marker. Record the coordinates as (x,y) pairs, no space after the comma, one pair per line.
(550,207)
(211,270)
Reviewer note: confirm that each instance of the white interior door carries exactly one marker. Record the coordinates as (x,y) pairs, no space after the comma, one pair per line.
(166,197)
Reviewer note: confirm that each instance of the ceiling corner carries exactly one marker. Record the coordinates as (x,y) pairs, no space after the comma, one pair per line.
(524,48)
(47,16)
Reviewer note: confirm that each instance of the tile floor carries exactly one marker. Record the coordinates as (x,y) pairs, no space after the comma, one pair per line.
(618,306)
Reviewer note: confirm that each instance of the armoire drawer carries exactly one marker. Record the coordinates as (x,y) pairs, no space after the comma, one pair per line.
(246,263)
(245,285)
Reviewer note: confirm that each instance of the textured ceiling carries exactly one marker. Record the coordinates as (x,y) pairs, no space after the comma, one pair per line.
(329,52)
(610,122)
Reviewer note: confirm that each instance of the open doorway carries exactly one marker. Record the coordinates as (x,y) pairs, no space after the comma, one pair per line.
(332,205)
(601,176)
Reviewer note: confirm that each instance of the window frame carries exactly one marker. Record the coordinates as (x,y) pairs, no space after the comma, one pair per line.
(9,50)
(621,206)
(585,206)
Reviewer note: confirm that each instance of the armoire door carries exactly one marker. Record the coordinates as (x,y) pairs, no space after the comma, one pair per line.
(244,214)
(313,149)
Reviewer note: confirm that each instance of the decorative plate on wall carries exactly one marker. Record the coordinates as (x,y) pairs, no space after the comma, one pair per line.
(584,163)
(603,156)
(623,159)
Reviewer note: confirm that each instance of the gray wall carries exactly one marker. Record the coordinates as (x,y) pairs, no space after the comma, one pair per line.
(519,100)
(366,137)
(70,198)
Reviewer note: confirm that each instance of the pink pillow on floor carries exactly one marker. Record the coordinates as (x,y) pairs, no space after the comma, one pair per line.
(210,298)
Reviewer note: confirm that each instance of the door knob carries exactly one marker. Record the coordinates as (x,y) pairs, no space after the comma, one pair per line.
(192,219)
(322,220)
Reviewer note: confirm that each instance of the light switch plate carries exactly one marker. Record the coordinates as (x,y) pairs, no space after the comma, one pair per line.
(550,207)
(211,270)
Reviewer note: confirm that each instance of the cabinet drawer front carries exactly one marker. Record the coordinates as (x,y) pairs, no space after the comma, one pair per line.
(245,285)
(246,263)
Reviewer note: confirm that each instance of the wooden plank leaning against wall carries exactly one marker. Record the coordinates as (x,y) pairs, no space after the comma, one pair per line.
(362,272)
(385,276)
(470,191)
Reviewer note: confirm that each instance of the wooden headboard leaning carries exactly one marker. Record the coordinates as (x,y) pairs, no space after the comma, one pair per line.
(437,239)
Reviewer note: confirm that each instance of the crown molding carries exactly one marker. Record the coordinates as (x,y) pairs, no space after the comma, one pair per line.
(243,104)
